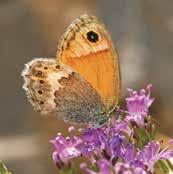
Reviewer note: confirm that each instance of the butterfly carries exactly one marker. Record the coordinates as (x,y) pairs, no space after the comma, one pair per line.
(82,84)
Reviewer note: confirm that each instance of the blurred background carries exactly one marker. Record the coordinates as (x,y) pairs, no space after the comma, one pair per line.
(143,33)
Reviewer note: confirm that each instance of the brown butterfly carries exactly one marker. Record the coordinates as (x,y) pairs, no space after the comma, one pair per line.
(82,83)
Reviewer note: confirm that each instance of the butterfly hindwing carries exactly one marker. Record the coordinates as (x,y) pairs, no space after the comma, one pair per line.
(52,89)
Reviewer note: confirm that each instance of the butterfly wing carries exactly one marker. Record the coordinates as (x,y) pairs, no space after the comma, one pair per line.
(87,48)
(52,89)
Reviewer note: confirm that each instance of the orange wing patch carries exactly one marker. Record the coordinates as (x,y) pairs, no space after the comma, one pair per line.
(100,71)
(86,47)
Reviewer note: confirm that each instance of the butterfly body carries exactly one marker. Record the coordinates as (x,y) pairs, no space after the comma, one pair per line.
(83,81)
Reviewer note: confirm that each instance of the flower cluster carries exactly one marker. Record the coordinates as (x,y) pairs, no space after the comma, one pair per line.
(123,146)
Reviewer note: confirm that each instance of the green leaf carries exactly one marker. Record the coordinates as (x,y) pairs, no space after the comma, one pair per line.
(73,169)
(153,132)
(142,137)
(164,166)
(95,167)
(3,169)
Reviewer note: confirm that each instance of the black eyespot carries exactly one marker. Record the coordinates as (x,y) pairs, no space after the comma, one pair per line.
(40,91)
(39,73)
(45,67)
(41,102)
(57,67)
(92,36)
(41,81)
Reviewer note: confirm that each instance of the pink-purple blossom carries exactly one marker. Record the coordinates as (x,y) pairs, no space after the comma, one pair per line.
(126,168)
(104,167)
(65,148)
(152,153)
(116,147)
(138,105)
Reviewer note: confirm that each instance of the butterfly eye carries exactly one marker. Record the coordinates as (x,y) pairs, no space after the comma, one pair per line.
(92,36)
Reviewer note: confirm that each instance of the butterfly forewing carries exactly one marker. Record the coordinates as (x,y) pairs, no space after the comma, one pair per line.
(87,48)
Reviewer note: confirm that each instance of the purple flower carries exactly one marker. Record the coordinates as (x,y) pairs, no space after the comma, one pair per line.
(126,168)
(138,105)
(115,145)
(121,126)
(94,140)
(65,149)
(153,153)
(128,153)
(103,165)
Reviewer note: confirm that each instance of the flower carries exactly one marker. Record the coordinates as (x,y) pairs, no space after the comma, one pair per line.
(128,153)
(125,168)
(104,167)
(152,153)
(138,105)
(94,140)
(120,127)
(65,149)
(117,147)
